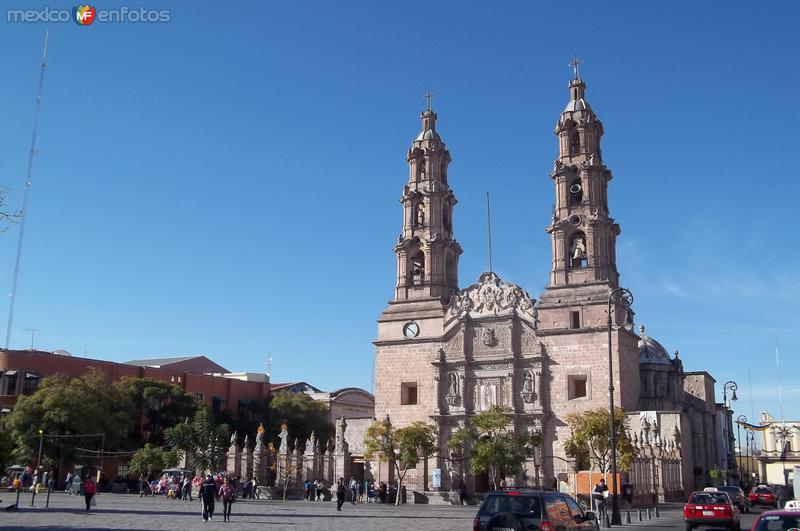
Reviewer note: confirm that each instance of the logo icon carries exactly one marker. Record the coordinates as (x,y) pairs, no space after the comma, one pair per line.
(84,14)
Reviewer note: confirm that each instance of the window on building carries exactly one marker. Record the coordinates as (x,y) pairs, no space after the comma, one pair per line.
(122,471)
(30,384)
(408,393)
(575,143)
(243,409)
(575,192)
(577,386)
(577,250)
(10,383)
(198,398)
(574,320)
(216,404)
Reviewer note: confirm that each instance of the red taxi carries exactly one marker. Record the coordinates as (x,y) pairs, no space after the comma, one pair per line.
(763,495)
(787,519)
(711,507)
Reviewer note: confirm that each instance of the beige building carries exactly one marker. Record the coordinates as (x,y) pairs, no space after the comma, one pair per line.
(780,450)
(443,354)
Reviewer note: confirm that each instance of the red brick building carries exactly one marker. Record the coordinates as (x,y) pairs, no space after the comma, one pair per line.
(21,371)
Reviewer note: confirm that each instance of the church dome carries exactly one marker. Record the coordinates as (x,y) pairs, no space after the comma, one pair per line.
(428,134)
(651,351)
(578,105)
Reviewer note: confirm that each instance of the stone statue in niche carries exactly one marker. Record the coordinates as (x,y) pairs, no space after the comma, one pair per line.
(528,393)
(420,215)
(453,395)
(489,337)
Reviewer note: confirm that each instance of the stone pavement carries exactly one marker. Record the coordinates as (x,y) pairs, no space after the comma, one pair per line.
(127,511)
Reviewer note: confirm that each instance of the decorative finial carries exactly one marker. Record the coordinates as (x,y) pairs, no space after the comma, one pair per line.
(575,64)
(429,97)
(641,330)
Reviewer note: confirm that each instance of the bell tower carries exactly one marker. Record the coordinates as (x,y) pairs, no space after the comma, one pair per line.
(427,254)
(583,234)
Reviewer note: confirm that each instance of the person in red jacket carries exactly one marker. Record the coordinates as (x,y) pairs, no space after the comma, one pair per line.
(227,492)
(89,490)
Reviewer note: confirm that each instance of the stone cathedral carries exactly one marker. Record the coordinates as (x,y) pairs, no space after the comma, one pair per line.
(444,353)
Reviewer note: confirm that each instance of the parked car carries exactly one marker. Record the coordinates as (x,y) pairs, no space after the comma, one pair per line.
(763,495)
(780,520)
(517,509)
(740,499)
(711,508)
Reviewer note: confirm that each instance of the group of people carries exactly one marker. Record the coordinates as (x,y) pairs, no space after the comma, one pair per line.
(360,492)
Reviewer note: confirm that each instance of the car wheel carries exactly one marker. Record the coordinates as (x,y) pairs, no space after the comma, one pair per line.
(689,527)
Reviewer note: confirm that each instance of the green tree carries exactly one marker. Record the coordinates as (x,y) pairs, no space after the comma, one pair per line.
(302,415)
(74,414)
(150,459)
(495,448)
(158,405)
(201,440)
(6,447)
(403,447)
(590,441)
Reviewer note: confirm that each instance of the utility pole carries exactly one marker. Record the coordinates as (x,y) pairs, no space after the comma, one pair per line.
(24,212)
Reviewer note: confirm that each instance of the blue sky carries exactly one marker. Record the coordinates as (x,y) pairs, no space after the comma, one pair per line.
(226,183)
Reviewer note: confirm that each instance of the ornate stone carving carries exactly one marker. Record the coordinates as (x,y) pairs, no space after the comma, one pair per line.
(488,337)
(260,438)
(491,296)
(528,388)
(453,389)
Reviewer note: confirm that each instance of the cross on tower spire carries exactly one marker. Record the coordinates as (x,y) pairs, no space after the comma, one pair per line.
(429,97)
(575,64)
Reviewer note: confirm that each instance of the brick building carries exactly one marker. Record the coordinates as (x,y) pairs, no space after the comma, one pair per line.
(21,371)
(443,354)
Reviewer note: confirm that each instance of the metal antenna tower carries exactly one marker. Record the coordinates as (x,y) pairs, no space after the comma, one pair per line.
(24,212)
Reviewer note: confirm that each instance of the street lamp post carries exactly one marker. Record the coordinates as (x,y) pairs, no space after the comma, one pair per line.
(733,386)
(624,298)
(739,420)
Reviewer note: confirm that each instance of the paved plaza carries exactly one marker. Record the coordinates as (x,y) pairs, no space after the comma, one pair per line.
(122,511)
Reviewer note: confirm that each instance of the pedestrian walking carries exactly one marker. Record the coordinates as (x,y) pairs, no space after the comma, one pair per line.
(462,492)
(89,490)
(599,495)
(340,494)
(208,491)
(68,484)
(353,489)
(227,492)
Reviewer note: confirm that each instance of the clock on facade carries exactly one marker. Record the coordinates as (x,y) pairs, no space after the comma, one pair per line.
(410,329)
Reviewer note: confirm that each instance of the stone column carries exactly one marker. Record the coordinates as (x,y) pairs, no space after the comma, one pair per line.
(244,456)
(259,470)
(298,462)
(341,454)
(309,459)
(233,465)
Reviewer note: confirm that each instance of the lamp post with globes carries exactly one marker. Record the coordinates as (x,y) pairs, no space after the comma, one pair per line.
(732,386)
(624,298)
(741,419)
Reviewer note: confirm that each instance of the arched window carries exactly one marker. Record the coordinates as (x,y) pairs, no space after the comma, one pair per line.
(577,250)
(574,143)
(417,269)
(575,192)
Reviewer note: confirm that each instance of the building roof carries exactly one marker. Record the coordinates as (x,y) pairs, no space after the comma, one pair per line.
(651,351)
(294,387)
(164,363)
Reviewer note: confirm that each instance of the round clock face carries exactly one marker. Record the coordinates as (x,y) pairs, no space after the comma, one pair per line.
(411,329)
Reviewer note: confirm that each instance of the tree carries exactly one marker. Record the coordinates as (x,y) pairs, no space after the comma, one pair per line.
(201,440)
(496,449)
(301,414)
(403,448)
(74,414)
(5,215)
(151,458)
(590,441)
(156,404)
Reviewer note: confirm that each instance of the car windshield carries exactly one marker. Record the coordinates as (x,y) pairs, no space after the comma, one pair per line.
(777,522)
(528,505)
(763,490)
(709,498)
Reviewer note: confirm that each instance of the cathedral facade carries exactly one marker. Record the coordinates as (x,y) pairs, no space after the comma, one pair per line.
(444,353)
